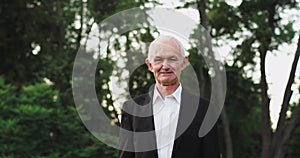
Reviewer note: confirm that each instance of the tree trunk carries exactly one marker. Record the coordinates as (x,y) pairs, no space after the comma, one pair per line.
(266,131)
(201,6)
(283,145)
(79,34)
(227,134)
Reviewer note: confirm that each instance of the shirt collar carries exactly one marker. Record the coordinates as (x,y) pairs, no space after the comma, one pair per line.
(176,94)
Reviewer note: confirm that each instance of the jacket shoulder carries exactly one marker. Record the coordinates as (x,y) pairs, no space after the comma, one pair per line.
(140,100)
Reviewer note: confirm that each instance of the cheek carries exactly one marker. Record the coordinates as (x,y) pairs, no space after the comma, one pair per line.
(155,72)
(155,69)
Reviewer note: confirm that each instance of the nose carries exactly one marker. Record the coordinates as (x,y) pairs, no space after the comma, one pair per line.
(165,64)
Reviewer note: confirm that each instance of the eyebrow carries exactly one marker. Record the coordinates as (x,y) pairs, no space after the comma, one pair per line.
(159,57)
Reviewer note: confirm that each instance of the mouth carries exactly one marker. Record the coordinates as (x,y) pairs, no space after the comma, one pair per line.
(166,73)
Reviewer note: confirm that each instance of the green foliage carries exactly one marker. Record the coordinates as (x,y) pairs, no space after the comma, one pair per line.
(35,124)
(140,81)
(243,109)
(38,120)
(223,18)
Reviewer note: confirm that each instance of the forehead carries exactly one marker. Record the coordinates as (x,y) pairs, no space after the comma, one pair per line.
(166,47)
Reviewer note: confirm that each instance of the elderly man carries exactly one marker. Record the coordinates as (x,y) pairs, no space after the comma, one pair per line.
(164,123)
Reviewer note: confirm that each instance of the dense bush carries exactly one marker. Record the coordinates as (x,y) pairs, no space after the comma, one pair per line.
(33,123)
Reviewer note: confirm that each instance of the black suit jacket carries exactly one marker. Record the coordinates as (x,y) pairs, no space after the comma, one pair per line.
(187,143)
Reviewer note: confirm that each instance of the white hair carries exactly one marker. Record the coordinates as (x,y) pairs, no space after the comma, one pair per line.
(153,46)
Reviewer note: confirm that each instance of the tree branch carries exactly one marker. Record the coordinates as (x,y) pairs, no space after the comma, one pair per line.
(293,122)
(279,153)
(285,104)
(201,6)
(79,35)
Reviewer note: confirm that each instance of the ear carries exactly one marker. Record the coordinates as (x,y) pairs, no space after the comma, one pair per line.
(150,67)
(185,61)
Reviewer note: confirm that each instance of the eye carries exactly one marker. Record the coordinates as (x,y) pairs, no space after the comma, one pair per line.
(157,59)
(173,59)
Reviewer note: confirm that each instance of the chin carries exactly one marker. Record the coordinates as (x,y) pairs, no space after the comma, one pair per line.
(168,82)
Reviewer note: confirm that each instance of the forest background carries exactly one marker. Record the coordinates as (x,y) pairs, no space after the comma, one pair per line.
(40,40)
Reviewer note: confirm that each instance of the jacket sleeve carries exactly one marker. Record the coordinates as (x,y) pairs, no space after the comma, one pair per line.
(126,138)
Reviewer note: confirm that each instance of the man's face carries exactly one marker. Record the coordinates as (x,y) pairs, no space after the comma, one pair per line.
(166,62)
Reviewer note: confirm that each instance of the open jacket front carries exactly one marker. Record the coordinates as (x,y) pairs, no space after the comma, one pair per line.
(187,144)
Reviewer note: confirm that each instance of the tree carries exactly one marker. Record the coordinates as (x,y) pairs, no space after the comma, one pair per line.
(205,49)
(263,21)
(294,145)
(257,29)
(33,123)
(40,41)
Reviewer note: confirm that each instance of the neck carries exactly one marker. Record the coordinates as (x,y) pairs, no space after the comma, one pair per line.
(166,90)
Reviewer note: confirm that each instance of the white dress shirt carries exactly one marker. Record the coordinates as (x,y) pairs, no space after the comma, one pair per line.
(165,112)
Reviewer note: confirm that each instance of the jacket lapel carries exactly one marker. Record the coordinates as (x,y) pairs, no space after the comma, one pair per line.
(188,110)
(146,124)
